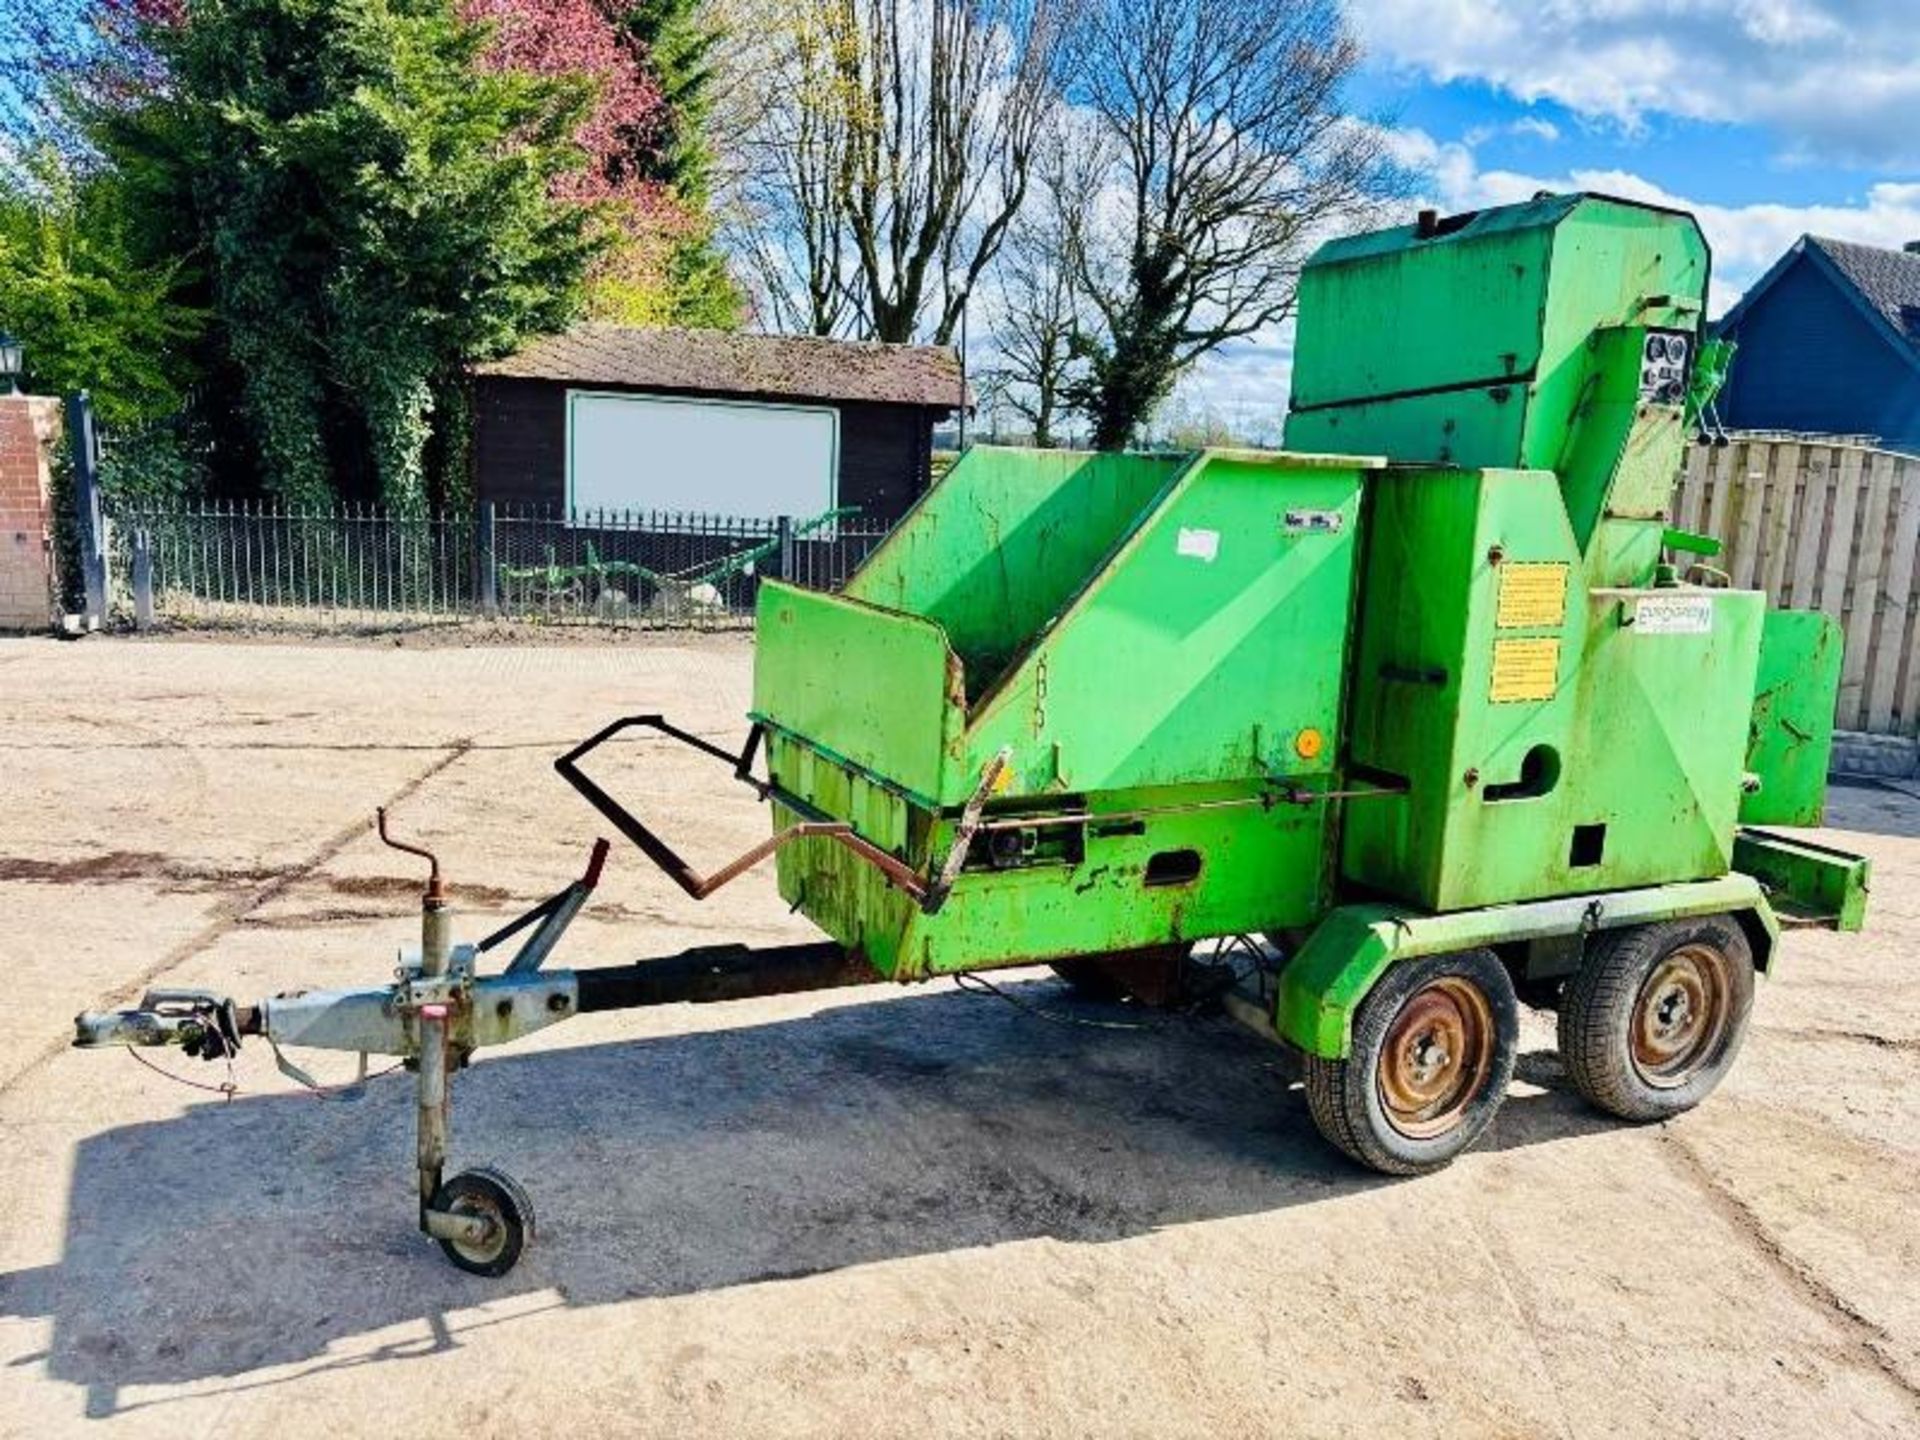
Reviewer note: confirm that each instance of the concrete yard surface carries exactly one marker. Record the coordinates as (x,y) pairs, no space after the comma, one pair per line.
(869,1212)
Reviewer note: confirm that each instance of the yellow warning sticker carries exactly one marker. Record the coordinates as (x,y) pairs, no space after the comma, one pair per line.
(1525,669)
(1530,595)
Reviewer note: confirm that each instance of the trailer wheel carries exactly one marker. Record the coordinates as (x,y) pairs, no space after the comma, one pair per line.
(1433,1049)
(496,1197)
(1656,1014)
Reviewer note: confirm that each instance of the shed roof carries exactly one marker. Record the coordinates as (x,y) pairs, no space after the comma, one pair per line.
(796,366)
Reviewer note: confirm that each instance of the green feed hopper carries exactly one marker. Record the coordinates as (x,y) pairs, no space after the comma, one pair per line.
(1434,701)
(1095,621)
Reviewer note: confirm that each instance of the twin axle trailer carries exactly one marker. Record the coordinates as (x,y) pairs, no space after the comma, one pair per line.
(1434,703)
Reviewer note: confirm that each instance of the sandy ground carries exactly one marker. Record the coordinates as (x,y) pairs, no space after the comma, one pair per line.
(878,1212)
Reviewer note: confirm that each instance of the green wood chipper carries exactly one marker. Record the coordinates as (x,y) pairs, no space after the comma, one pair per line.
(1430,715)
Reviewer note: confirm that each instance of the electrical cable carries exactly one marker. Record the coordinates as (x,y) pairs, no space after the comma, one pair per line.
(227,1089)
(1223,948)
(974,984)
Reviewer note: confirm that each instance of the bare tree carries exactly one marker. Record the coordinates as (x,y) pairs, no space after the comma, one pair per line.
(783,141)
(1039,312)
(1234,158)
(889,147)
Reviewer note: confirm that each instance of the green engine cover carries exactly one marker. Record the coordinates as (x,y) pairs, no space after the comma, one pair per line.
(1554,738)
(1466,341)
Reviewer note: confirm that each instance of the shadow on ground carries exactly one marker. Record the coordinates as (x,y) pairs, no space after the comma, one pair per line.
(265,1232)
(1873,807)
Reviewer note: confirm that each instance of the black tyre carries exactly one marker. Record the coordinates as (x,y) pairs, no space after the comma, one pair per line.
(1433,1050)
(1089,978)
(497,1198)
(1656,1015)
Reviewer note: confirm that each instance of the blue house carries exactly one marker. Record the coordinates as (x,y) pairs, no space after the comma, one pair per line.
(1829,344)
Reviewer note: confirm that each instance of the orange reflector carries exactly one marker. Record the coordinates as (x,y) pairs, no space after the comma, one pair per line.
(1309,742)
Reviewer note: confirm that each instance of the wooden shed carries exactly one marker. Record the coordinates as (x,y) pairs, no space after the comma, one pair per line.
(617,418)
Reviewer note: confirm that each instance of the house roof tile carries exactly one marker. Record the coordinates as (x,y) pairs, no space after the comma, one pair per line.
(1888,280)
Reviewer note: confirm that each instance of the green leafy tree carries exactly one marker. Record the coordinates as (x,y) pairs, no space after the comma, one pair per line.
(677,40)
(90,311)
(373,209)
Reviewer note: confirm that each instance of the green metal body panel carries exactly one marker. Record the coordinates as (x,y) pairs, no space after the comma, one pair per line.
(999,546)
(1809,883)
(879,682)
(1424,426)
(1229,593)
(1790,740)
(1446,698)
(1618,766)
(1620,453)
(1463,310)
(1509,301)
(1325,983)
(1262,868)
(1214,598)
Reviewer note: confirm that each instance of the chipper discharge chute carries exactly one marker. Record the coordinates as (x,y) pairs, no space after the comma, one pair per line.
(1435,703)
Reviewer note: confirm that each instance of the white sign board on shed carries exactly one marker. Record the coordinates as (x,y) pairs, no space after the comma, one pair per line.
(717,457)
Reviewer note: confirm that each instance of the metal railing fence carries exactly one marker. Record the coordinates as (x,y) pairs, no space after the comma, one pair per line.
(264,565)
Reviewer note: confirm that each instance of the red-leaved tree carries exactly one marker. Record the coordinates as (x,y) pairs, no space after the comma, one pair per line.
(577,37)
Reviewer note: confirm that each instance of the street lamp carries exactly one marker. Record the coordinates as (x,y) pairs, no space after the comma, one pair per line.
(12,362)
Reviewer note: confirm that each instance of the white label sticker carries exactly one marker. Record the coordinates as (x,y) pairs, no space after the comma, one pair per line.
(1201,544)
(1297,521)
(1673,615)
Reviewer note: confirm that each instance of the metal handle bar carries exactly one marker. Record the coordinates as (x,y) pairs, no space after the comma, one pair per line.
(434,890)
(678,870)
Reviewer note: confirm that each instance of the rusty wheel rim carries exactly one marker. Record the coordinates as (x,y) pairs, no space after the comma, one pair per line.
(1680,1016)
(486,1251)
(1437,1057)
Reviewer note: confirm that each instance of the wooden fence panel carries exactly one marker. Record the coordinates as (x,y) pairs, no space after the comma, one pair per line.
(1690,510)
(1786,480)
(1719,499)
(1864,582)
(1826,527)
(1744,512)
(1893,640)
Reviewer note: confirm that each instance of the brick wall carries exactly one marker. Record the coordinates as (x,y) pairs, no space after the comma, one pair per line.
(29,429)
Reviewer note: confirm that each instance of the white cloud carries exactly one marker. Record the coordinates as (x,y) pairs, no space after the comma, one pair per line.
(1746,239)
(1245,385)
(1834,79)
(1248,383)
(1527,126)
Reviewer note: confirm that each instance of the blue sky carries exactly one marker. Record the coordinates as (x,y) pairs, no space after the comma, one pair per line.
(1768,118)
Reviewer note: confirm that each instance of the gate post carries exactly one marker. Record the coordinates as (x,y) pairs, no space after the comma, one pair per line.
(142,579)
(89,519)
(29,590)
(783,528)
(486,575)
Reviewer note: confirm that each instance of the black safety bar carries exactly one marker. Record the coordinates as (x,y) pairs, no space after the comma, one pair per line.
(699,886)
